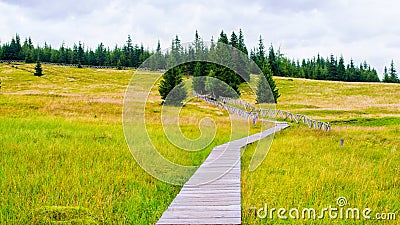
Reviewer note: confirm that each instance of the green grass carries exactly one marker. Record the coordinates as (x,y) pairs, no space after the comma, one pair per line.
(64,158)
(307,168)
(369,122)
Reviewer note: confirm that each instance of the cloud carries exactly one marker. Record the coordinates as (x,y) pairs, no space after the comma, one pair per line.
(56,10)
(359,29)
(291,6)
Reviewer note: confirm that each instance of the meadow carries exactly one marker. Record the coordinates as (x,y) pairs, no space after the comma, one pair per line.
(64,154)
(64,158)
(308,168)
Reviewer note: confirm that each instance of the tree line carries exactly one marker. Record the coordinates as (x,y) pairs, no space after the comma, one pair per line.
(129,55)
(133,55)
(319,68)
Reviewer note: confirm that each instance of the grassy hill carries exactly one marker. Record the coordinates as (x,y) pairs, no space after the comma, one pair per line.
(64,158)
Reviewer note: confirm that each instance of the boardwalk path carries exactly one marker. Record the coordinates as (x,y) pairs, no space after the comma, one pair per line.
(212,195)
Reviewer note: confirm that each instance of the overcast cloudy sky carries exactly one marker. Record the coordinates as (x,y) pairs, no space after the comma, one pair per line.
(358,29)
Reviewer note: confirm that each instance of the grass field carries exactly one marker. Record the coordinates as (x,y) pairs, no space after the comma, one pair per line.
(64,155)
(64,158)
(307,168)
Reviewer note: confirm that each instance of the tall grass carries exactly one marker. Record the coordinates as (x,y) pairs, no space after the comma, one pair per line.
(307,168)
(64,158)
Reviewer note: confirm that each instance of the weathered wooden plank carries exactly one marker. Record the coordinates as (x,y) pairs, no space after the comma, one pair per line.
(210,200)
(208,207)
(190,204)
(233,220)
(186,195)
(178,214)
(212,195)
(210,192)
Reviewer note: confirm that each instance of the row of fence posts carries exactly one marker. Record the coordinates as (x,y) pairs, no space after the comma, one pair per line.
(248,111)
(220,103)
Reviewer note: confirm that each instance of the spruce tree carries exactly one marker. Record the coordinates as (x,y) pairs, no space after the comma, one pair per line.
(209,86)
(119,65)
(262,90)
(260,53)
(199,78)
(29,56)
(171,88)
(217,88)
(225,61)
(158,58)
(199,48)
(80,55)
(373,76)
(263,93)
(386,77)
(351,72)
(241,45)
(242,63)
(273,61)
(332,69)
(223,38)
(38,69)
(393,73)
(234,40)
(363,71)
(341,70)
(319,74)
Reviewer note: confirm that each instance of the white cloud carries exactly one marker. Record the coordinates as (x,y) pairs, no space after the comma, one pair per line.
(358,29)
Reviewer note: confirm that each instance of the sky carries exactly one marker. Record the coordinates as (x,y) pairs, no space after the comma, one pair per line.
(358,29)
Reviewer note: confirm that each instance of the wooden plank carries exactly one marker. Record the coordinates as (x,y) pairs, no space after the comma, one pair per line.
(212,195)
(208,207)
(233,220)
(199,214)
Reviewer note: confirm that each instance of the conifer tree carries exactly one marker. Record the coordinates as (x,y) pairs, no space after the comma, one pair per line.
(210,84)
(119,65)
(341,69)
(386,77)
(223,38)
(241,45)
(350,71)
(199,78)
(234,40)
(225,61)
(263,92)
(171,88)
(38,69)
(393,73)
(242,65)
(273,61)
(217,87)
(332,69)
(260,53)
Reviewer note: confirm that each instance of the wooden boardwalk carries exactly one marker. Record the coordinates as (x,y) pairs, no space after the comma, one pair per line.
(212,195)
